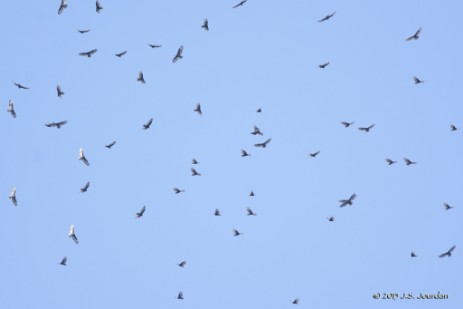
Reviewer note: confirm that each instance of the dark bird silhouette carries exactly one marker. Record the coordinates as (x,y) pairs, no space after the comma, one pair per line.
(180,295)
(408,161)
(178,55)
(59,91)
(110,144)
(453,128)
(251,193)
(72,234)
(58,125)
(20,86)
(64,4)
(259,110)
(367,129)
(447,206)
(140,77)
(194,161)
(82,157)
(141,212)
(89,53)
(11,109)
(331,219)
(250,212)
(413,254)
(198,109)
(12,196)
(217,212)
(324,65)
(182,264)
(313,155)
(85,188)
(347,124)
(348,201)
(194,172)
(84,31)
(417,80)
(121,54)
(236,233)
(240,4)
(390,162)
(98,6)
(257,131)
(147,125)
(448,253)
(327,17)
(205,25)
(264,144)
(416,36)
(295,301)
(244,153)
(63,261)
(154,45)
(177,190)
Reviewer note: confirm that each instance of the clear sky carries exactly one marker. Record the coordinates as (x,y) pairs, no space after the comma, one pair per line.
(264,54)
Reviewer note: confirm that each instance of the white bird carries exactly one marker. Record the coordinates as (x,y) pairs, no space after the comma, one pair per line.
(11,109)
(13,196)
(72,234)
(82,157)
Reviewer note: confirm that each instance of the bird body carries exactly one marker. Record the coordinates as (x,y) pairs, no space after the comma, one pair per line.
(82,157)
(89,53)
(121,54)
(110,144)
(11,109)
(12,196)
(59,91)
(240,4)
(147,125)
(390,162)
(416,36)
(324,65)
(314,154)
(264,144)
(409,162)
(177,190)
(448,253)
(140,77)
(417,80)
(98,6)
(154,45)
(64,4)
(194,172)
(205,25)
(257,131)
(367,129)
(63,261)
(244,153)
(327,17)
(141,212)
(84,31)
(178,55)
(72,234)
(348,201)
(198,109)
(20,86)
(56,124)
(85,188)
(250,212)
(217,212)
(182,264)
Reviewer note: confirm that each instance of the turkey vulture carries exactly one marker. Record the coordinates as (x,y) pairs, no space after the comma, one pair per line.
(413,254)
(193,161)
(72,234)
(198,109)
(324,65)
(295,302)
(194,172)
(347,124)
(327,17)
(154,45)
(182,264)
(448,253)
(64,4)
(447,206)
(147,125)
(82,157)
(244,153)
(367,129)
(236,233)
(63,261)
(240,4)
(205,25)
(408,161)
(84,31)
(20,86)
(177,190)
(59,91)
(251,193)
(416,36)
(217,212)
(12,196)
(250,212)
(141,212)
(178,55)
(259,110)
(110,145)
(121,54)
(257,131)
(11,109)
(348,201)
(98,6)
(417,80)
(264,144)
(314,154)
(331,219)
(180,295)
(140,77)
(453,128)
(85,188)
(390,162)
(89,53)
(56,124)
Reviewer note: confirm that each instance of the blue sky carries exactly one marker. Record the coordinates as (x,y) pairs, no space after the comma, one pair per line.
(262,54)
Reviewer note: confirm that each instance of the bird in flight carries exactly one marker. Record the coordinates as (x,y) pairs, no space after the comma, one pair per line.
(12,196)
(84,31)
(447,206)
(64,4)
(141,212)
(453,128)
(194,161)
(110,145)
(331,219)
(417,80)
(63,261)
(250,212)
(59,91)
(177,190)
(56,124)
(244,153)
(251,193)
(11,109)
(408,161)
(416,36)
(314,154)
(327,17)
(180,295)
(295,301)
(182,264)
(259,110)
(198,109)
(413,254)
(82,157)
(257,131)
(217,212)
(147,125)
(448,253)
(348,201)
(236,232)
(20,86)
(85,188)
(98,6)
(178,55)
(121,54)
(240,4)
(367,129)
(89,53)
(205,25)
(347,124)
(324,65)
(194,172)
(140,77)
(264,144)
(72,234)
(154,45)
(390,162)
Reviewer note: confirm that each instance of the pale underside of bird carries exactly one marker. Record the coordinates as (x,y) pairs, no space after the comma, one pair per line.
(59,91)
(121,54)
(178,55)
(324,65)
(409,162)
(12,196)
(327,17)
(154,45)
(140,77)
(257,131)
(84,31)
(20,86)
(11,109)
(367,129)
(264,144)
(347,124)
(236,232)
(417,80)
(448,253)
(89,53)
(64,4)
(63,261)
(314,154)
(348,201)
(182,264)
(98,6)
(82,157)
(110,145)
(72,234)
(416,36)
(177,190)
(198,109)
(240,3)
(205,25)
(58,125)
(194,172)
(217,212)
(250,212)
(141,212)
(85,188)
(390,162)
(244,153)
(147,125)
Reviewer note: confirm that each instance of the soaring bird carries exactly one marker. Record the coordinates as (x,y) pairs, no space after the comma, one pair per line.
(84,31)
(331,219)
(264,144)
(390,162)
(154,45)
(236,233)
(257,131)
(20,86)
(314,154)
(59,91)
(182,264)
(447,206)
(12,196)
(140,77)
(194,161)
(11,109)
(251,193)
(453,128)
(85,188)
(250,212)
(348,201)
(178,55)
(147,125)
(240,4)
(347,124)
(416,36)
(205,25)
(98,6)
(194,172)
(324,65)
(367,129)
(217,212)
(413,254)
(177,190)
(198,109)
(141,212)
(180,295)
(121,54)
(244,153)
(72,234)
(408,161)
(89,53)
(327,17)
(64,4)
(295,301)
(110,144)
(448,253)
(417,80)
(56,124)
(63,261)
(82,157)
(259,110)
